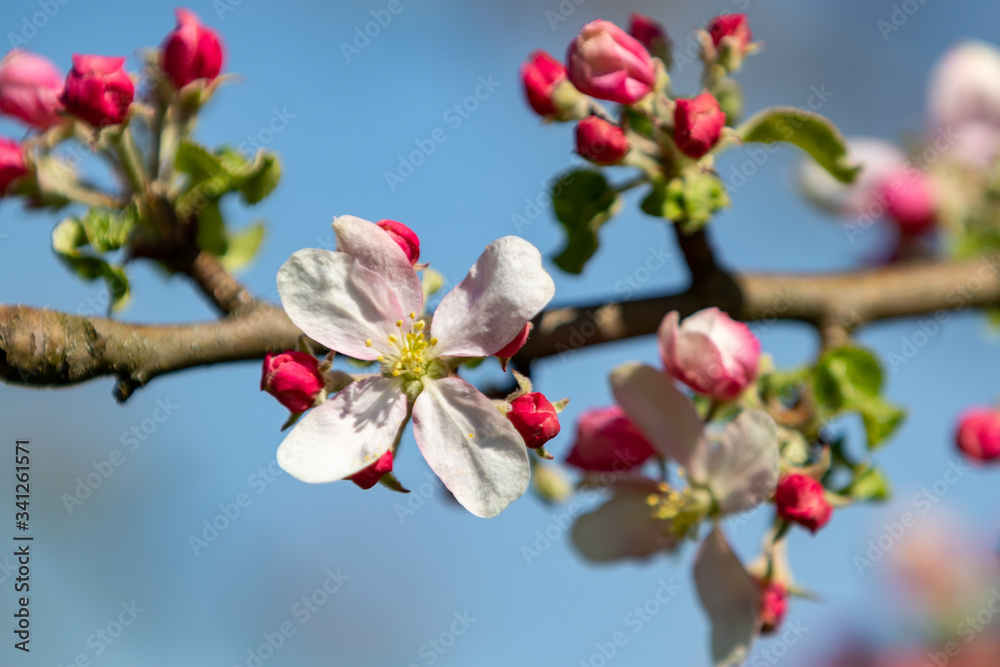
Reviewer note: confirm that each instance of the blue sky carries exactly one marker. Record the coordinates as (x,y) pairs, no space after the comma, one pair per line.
(406,578)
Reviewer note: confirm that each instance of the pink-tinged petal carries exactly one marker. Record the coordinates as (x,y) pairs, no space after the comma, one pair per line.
(504,289)
(730,596)
(470,446)
(623,527)
(859,199)
(659,409)
(739,464)
(338,303)
(347,433)
(376,250)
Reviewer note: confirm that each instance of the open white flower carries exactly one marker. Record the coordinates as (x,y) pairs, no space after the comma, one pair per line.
(365,301)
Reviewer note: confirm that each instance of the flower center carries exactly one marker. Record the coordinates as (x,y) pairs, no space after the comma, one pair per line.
(411,353)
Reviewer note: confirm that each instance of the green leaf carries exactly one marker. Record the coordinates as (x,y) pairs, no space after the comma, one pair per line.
(847,378)
(108,229)
(809,131)
(212,230)
(583,201)
(243,245)
(881,419)
(67,238)
(195,160)
(261,178)
(870,484)
(690,200)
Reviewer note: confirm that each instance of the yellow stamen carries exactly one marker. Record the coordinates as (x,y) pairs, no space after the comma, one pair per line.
(368,342)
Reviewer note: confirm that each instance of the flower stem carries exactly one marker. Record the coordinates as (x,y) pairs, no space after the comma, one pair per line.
(129,159)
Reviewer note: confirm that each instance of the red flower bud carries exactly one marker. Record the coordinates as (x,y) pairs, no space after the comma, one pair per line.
(29,89)
(541,73)
(511,348)
(98,90)
(534,418)
(601,142)
(909,200)
(734,26)
(606,440)
(609,64)
(800,499)
(191,51)
(404,237)
(698,124)
(293,378)
(650,34)
(978,434)
(370,476)
(12,165)
(773,606)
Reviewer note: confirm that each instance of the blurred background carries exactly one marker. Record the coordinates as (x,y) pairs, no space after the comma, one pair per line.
(417,580)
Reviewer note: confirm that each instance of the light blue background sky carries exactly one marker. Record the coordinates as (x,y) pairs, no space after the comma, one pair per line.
(350,123)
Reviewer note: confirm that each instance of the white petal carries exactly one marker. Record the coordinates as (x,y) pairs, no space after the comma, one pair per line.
(731,598)
(470,446)
(739,464)
(877,157)
(347,433)
(659,409)
(338,303)
(374,249)
(623,527)
(504,289)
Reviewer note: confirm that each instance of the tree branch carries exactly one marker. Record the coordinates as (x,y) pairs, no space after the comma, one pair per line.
(223,290)
(45,348)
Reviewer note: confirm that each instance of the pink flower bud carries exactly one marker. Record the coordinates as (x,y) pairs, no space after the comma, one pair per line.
(734,27)
(709,352)
(534,418)
(609,64)
(909,201)
(601,142)
(963,101)
(650,34)
(773,606)
(510,349)
(404,237)
(12,165)
(370,476)
(191,51)
(978,435)
(293,378)
(607,441)
(800,499)
(540,75)
(698,124)
(29,89)
(98,90)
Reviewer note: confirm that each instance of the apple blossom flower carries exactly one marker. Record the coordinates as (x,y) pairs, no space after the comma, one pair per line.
(293,378)
(98,90)
(801,499)
(191,51)
(978,434)
(963,99)
(879,159)
(12,166)
(606,62)
(535,419)
(601,142)
(624,527)
(29,89)
(709,352)
(606,441)
(698,124)
(365,301)
(404,237)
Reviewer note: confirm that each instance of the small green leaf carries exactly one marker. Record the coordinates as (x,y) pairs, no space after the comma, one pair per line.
(870,484)
(847,378)
(689,200)
(108,229)
(881,419)
(809,131)
(212,230)
(583,201)
(196,161)
(67,239)
(261,178)
(243,246)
